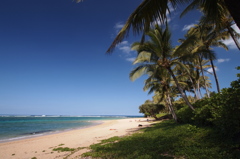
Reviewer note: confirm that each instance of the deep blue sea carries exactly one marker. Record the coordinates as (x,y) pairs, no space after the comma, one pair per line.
(16,127)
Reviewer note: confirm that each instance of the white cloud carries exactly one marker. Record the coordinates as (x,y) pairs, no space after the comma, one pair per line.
(124,46)
(131,59)
(124,43)
(125,49)
(187,27)
(222,60)
(211,70)
(229,42)
(118,25)
(127,53)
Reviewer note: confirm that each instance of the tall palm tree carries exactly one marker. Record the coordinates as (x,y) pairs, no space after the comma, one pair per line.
(158,50)
(196,62)
(202,38)
(210,38)
(150,11)
(194,79)
(158,81)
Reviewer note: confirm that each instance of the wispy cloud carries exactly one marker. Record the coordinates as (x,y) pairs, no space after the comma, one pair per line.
(124,47)
(118,25)
(211,70)
(126,51)
(187,27)
(131,59)
(229,42)
(222,60)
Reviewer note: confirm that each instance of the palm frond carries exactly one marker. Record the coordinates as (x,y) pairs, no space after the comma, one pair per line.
(191,6)
(138,72)
(143,57)
(143,16)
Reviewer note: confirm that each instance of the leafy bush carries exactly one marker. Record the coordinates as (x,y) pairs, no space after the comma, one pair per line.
(150,109)
(185,115)
(226,115)
(203,113)
(222,111)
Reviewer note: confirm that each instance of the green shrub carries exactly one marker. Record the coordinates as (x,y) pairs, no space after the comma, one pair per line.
(222,111)
(226,115)
(185,115)
(203,113)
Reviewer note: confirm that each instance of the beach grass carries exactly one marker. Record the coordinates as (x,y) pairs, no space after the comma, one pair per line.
(167,140)
(62,149)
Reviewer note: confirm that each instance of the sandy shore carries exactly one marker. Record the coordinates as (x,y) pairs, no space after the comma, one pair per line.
(42,147)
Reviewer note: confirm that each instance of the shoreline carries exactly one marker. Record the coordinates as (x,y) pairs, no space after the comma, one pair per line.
(95,123)
(42,146)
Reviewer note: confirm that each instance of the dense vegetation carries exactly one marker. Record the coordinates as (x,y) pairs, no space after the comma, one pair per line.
(221,110)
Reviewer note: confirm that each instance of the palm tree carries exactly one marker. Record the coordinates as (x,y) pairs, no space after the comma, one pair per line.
(194,80)
(223,21)
(196,62)
(150,11)
(201,38)
(158,81)
(158,50)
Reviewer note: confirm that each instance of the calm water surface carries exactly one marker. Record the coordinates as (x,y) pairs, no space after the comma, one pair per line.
(13,128)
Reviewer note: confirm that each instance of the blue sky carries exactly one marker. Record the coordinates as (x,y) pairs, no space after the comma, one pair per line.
(53,61)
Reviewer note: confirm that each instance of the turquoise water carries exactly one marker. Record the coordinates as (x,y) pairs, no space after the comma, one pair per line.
(13,128)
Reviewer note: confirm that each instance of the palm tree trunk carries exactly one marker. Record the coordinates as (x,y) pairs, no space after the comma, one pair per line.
(199,91)
(215,75)
(180,88)
(204,80)
(233,37)
(170,105)
(234,9)
(194,89)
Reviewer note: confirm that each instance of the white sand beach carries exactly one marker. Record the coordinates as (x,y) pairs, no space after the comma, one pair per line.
(42,147)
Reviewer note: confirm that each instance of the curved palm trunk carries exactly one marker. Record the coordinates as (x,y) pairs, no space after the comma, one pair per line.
(234,38)
(194,89)
(180,88)
(234,9)
(198,87)
(204,80)
(215,75)
(170,106)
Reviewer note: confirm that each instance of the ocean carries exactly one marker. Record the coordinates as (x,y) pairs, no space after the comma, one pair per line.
(20,127)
